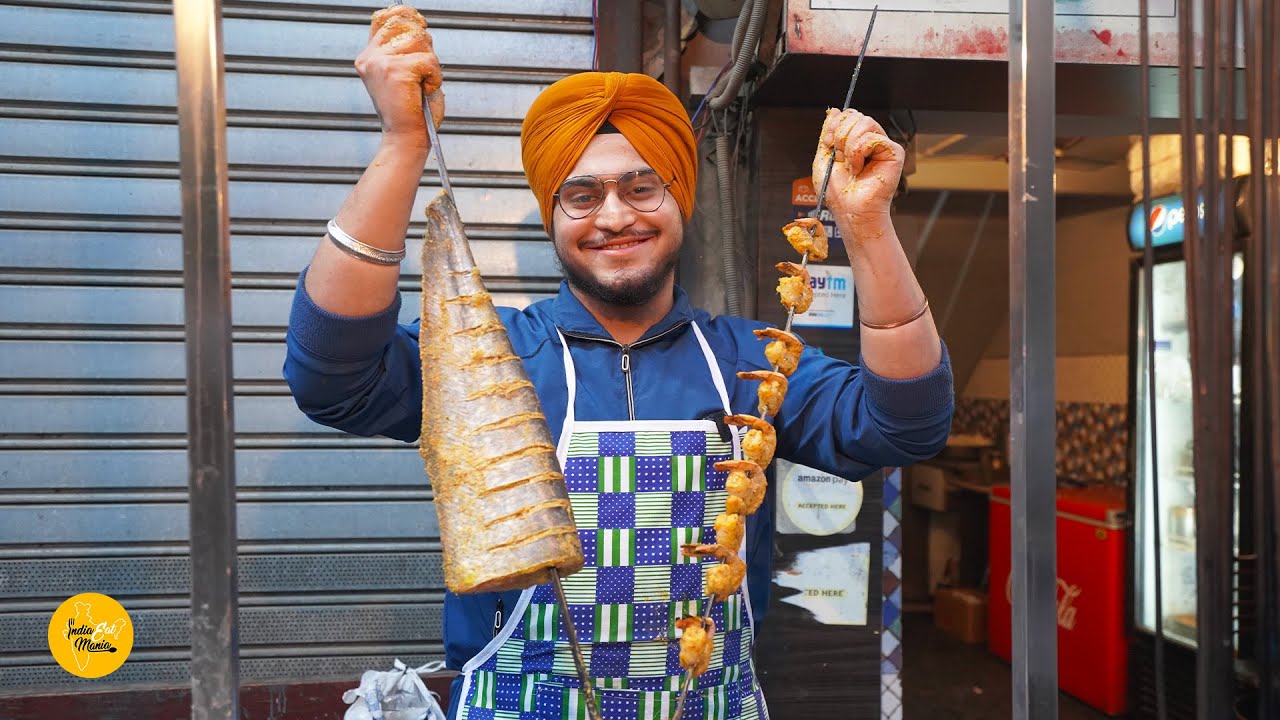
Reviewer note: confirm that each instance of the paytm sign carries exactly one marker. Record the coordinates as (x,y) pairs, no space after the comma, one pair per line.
(833,297)
(1168,222)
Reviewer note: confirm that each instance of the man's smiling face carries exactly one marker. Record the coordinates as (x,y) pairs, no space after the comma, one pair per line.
(618,254)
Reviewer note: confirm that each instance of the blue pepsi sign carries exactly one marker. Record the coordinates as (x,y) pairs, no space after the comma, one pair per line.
(1168,222)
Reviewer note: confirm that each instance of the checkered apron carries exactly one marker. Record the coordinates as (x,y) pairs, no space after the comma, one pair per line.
(639,490)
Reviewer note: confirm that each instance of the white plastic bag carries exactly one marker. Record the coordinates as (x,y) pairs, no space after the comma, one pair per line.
(398,694)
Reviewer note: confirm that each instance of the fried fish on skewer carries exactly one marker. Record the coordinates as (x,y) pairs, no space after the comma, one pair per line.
(505,519)
(697,641)
(761,440)
(773,388)
(784,351)
(746,485)
(808,235)
(730,529)
(724,579)
(796,291)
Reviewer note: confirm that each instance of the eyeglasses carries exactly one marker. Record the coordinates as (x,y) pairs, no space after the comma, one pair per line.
(643,190)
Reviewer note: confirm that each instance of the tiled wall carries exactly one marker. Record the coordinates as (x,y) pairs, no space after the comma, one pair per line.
(1093,438)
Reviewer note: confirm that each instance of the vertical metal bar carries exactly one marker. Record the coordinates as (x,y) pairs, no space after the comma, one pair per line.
(215,681)
(1149,322)
(1253,422)
(671,74)
(618,29)
(1209,326)
(1226,245)
(1032,349)
(1270,50)
(1249,405)
(1190,157)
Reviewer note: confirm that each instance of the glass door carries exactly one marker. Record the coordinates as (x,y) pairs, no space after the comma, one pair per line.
(1172,453)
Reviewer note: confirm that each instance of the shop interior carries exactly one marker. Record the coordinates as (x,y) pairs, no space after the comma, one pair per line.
(953,217)
(955,507)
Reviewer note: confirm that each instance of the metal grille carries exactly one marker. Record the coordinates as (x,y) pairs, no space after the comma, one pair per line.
(340,569)
(1180,680)
(49,678)
(299,628)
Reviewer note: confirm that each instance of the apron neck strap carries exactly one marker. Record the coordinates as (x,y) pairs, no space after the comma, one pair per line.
(716,376)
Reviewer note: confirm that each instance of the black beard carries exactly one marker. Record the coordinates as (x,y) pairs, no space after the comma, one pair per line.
(629,291)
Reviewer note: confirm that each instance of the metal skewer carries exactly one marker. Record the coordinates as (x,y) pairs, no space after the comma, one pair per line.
(434,137)
(584,677)
(831,162)
(791,312)
(593,710)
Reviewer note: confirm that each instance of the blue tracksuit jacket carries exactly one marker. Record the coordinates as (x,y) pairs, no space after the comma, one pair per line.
(362,375)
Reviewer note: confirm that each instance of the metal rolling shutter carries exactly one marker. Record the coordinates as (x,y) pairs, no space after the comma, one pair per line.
(339,566)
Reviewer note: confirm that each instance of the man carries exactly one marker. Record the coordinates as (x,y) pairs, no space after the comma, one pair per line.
(611,160)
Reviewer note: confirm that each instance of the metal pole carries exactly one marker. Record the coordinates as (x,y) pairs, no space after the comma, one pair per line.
(1208,273)
(1032,422)
(215,681)
(671,47)
(1149,351)
(618,25)
(1269,581)
(1255,381)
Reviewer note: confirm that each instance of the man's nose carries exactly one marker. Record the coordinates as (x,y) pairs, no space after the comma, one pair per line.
(614,214)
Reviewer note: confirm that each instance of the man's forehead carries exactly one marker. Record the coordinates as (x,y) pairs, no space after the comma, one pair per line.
(608,154)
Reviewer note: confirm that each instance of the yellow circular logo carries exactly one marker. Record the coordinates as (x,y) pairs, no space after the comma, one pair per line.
(90,635)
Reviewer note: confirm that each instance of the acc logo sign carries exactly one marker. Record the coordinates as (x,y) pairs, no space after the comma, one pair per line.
(90,635)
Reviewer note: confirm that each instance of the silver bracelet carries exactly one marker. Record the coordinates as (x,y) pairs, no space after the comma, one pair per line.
(359,250)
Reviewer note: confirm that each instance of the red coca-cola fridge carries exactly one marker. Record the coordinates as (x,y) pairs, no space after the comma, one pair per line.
(1092,657)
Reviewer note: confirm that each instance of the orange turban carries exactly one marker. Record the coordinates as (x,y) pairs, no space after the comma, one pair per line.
(564,118)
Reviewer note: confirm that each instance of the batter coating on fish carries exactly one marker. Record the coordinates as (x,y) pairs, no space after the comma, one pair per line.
(501,499)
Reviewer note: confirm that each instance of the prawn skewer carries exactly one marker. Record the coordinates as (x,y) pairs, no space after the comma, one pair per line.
(808,235)
(746,485)
(773,388)
(724,579)
(796,291)
(761,440)
(696,643)
(784,350)
(730,529)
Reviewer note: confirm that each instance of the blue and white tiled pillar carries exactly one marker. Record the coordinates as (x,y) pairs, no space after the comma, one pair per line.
(891,606)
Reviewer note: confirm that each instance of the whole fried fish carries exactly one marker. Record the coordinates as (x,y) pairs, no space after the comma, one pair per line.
(504,512)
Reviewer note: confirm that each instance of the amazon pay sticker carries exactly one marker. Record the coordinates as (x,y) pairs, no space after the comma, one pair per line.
(814,502)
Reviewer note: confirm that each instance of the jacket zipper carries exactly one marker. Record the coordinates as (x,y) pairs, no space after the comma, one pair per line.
(626,373)
(626,357)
